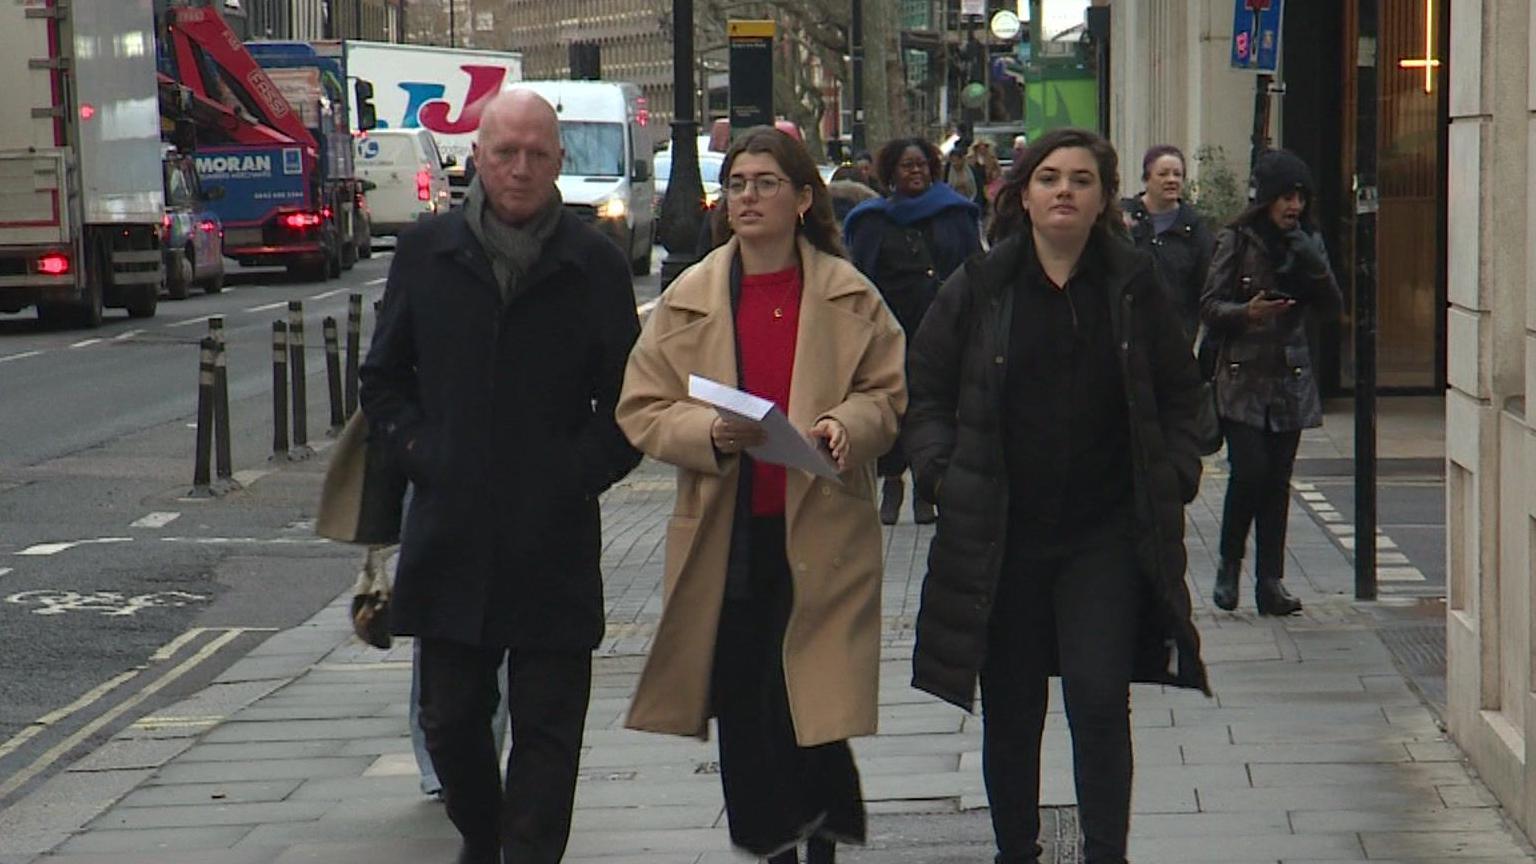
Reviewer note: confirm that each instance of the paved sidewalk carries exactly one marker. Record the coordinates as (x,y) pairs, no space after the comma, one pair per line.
(1315,749)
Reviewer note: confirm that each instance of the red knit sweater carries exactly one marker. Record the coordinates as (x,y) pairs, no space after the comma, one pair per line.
(767,323)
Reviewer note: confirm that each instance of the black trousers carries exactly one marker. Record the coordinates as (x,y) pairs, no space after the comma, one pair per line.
(1073,608)
(1259,494)
(777,793)
(530,821)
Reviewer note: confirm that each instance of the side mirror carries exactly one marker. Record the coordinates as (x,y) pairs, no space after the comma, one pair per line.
(367,115)
(213,193)
(642,171)
(369,186)
(450,161)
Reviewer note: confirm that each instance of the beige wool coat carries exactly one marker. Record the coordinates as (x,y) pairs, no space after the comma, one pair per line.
(850,365)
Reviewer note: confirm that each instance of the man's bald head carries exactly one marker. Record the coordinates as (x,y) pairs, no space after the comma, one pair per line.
(518,154)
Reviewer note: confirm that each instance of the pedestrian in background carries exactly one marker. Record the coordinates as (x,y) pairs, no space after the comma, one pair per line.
(1269,271)
(493,375)
(959,173)
(908,244)
(1053,418)
(752,546)
(1165,225)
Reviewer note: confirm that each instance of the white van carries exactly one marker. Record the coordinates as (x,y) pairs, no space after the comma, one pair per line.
(407,174)
(607,178)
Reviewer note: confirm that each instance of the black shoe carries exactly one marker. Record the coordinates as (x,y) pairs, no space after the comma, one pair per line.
(1227,576)
(891,493)
(922,511)
(478,854)
(820,850)
(1273,599)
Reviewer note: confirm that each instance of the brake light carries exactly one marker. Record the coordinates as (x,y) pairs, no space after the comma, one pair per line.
(423,185)
(301,221)
(53,264)
(208,226)
(325,212)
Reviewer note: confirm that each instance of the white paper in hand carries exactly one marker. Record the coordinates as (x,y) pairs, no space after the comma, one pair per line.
(785,446)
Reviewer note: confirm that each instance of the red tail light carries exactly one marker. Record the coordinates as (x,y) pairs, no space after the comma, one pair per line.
(53,264)
(301,221)
(423,185)
(208,226)
(325,213)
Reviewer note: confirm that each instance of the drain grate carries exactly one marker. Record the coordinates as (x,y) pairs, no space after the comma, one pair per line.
(1419,652)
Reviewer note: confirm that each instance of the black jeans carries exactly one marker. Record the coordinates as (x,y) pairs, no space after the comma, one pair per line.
(777,793)
(1072,609)
(1259,494)
(547,702)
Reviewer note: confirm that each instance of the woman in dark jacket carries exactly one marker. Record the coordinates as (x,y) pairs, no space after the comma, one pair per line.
(1162,223)
(908,244)
(1269,269)
(1053,416)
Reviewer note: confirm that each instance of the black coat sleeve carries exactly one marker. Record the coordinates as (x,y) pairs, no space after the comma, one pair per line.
(605,455)
(388,391)
(1176,383)
(934,364)
(1220,307)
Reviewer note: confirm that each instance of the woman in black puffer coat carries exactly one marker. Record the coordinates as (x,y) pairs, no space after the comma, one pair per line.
(1269,270)
(1162,223)
(1053,417)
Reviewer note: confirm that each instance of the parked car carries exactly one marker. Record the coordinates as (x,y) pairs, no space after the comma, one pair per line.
(191,235)
(710,164)
(405,175)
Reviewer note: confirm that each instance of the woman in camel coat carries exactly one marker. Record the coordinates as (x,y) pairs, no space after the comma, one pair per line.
(771,615)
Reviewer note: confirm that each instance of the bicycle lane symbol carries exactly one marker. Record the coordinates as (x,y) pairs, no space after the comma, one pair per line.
(111,604)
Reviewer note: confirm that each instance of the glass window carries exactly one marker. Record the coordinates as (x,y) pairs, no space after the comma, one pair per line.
(593,149)
(178,189)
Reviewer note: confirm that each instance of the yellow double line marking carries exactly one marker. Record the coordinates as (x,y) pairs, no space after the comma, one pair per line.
(95,694)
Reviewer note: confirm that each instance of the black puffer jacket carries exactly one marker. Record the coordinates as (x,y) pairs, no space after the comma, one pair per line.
(955,434)
(1182,255)
(1264,373)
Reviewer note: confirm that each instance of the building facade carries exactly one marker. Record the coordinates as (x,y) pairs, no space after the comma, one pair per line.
(1490,436)
(1371,68)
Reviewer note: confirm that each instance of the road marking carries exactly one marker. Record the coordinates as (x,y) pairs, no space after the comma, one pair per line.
(188,323)
(4,571)
(1313,497)
(1301,486)
(332,293)
(255,541)
(249,476)
(379,281)
(150,724)
(22,356)
(111,604)
(56,548)
(1331,516)
(645,307)
(155,520)
(267,307)
(121,337)
(1341,527)
(85,343)
(36,727)
(173,647)
(115,712)
(1399,574)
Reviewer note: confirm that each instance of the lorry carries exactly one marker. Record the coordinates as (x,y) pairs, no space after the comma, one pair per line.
(608,177)
(442,90)
(81,197)
(274,137)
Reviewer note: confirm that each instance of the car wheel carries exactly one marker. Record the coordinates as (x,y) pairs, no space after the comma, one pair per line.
(215,283)
(178,277)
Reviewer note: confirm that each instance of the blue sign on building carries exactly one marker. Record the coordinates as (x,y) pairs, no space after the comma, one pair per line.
(1256,34)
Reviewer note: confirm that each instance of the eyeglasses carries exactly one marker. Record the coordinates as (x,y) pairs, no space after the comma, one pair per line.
(765,185)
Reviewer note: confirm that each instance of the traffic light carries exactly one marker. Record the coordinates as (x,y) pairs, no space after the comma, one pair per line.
(367,115)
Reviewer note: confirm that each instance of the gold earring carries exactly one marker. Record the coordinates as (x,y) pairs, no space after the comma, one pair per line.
(802,218)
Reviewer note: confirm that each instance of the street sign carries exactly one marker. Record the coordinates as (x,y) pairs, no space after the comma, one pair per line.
(1256,34)
(751,53)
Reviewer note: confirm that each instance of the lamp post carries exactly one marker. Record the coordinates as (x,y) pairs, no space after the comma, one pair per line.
(682,207)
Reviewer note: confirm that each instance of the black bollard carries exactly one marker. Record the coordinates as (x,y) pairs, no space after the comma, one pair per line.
(296,373)
(223,462)
(201,487)
(354,348)
(333,374)
(279,390)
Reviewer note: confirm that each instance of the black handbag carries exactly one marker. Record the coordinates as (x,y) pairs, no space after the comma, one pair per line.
(1207,420)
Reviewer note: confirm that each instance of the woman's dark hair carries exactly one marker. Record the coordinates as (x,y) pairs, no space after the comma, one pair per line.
(820,224)
(1011,217)
(1157,152)
(890,156)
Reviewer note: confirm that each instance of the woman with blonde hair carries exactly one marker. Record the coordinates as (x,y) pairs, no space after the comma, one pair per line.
(771,617)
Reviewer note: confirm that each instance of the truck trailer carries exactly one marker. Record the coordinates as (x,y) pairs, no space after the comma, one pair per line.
(81,193)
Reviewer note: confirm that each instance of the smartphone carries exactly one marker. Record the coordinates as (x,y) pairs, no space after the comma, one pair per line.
(1279,295)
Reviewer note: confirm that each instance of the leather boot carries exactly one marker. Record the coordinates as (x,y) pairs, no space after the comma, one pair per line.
(1273,599)
(922,511)
(1228,574)
(820,850)
(891,493)
(788,856)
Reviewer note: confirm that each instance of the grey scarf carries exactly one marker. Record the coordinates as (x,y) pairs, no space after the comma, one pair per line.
(512,248)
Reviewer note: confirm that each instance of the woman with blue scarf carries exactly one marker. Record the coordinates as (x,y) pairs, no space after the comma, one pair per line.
(908,244)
